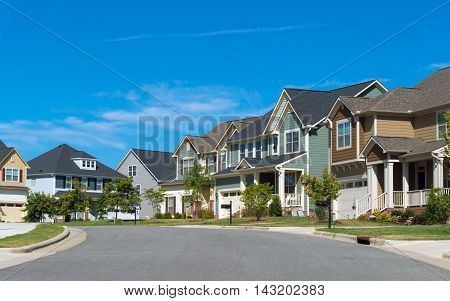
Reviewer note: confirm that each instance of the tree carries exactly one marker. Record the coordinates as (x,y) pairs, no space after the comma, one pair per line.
(155,198)
(120,195)
(275,208)
(255,198)
(38,204)
(325,189)
(198,186)
(75,200)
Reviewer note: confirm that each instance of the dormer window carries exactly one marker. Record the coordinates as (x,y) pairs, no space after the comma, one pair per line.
(86,164)
(441,125)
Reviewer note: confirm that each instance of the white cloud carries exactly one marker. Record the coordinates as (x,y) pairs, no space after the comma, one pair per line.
(438,65)
(217,32)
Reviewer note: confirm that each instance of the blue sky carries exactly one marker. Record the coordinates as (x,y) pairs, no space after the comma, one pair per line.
(211,60)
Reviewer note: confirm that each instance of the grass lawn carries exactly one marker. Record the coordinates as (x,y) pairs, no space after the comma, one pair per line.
(285,221)
(40,233)
(435,232)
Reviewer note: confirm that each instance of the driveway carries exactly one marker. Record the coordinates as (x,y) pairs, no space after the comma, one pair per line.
(10,229)
(150,253)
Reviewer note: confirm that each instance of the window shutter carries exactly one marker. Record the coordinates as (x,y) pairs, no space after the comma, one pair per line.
(21,176)
(181,167)
(4,175)
(174,205)
(219,162)
(207,166)
(182,205)
(167,204)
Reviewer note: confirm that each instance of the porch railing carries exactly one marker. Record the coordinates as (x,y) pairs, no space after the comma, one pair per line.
(399,199)
(363,205)
(418,197)
(381,202)
(293,200)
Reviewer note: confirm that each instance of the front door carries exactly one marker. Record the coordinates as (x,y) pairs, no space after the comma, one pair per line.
(421,178)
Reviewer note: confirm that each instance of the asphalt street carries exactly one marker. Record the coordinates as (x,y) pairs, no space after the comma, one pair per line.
(150,253)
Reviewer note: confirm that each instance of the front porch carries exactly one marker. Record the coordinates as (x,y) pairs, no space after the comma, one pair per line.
(402,184)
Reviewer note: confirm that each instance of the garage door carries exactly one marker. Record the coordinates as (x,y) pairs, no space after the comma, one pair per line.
(11,212)
(235,198)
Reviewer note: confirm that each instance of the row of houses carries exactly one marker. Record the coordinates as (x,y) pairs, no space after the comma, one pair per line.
(385,147)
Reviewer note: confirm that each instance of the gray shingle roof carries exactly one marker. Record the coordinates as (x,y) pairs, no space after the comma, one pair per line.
(2,145)
(59,161)
(409,146)
(161,164)
(4,152)
(432,92)
(254,129)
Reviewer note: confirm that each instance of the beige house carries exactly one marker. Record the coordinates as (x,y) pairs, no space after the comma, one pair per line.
(388,151)
(13,187)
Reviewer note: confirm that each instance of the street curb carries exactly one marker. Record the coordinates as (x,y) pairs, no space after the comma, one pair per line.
(350,238)
(42,244)
(446,255)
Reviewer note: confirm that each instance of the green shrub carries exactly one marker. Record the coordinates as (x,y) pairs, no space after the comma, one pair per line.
(275,207)
(158,215)
(183,215)
(167,215)
(384,217)
(362,217)
(437,208)
(206,214)
(407,214)
(245,212)
(420,219)
(396,213)
(178,215)
(320,214)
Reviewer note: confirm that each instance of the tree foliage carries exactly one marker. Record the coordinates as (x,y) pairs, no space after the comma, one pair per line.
(155,197)
(118,196)
(197,185)
(74,200)
(325,189)
(40,204)
(275,208)
(255,198)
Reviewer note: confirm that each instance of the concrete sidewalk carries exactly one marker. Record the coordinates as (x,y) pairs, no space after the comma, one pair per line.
(10,229)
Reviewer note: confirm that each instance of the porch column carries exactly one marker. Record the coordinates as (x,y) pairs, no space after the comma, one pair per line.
(281,187)
(405,181)
(438,173)
(256,178)
(389,183)
(242,182)
(372,185)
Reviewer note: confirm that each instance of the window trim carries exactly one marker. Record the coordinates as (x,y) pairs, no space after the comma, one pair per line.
(339,122)
(285,141)
(133,170)
(186,165)
(437,124)
(275,151)
(12,175)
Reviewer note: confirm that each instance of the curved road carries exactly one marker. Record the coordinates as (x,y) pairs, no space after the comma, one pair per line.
(147,253)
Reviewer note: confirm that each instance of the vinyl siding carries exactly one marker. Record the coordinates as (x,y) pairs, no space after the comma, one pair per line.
(367,126)
(299,163)
(348,153)
(282,105)
(228,183)
(318,151)
(394,126)
(185,153)
(143,178)
(14,161)
(376,154)
(425,126)
(371,92)
(291,122)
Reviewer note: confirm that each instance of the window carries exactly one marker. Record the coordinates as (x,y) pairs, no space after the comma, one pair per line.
(266,146)
(171,204)
(92,183)
(258,149)
(242,152)
(12,175)
(343,134)
(99,184)
(275,145)
(223,160)
(138,187)
(349,185)
(132,171)
(84,163)
(69,182)
(84,183)
(187,165)
(289,183)
(358,184)
(250,150)
(60,182)
(441,125)
(211,164)
(292,142)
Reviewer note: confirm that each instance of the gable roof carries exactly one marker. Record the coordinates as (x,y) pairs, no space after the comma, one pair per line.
(431,92)
(161,164)
(60,161)
(5,151)
(2,145)
(255,129)
(408,146)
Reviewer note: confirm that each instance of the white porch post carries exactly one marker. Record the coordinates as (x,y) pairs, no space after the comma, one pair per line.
(256,178)
(242,182)
(438,173)
(405,180)
(372,184)
(281,187)
(389,183)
